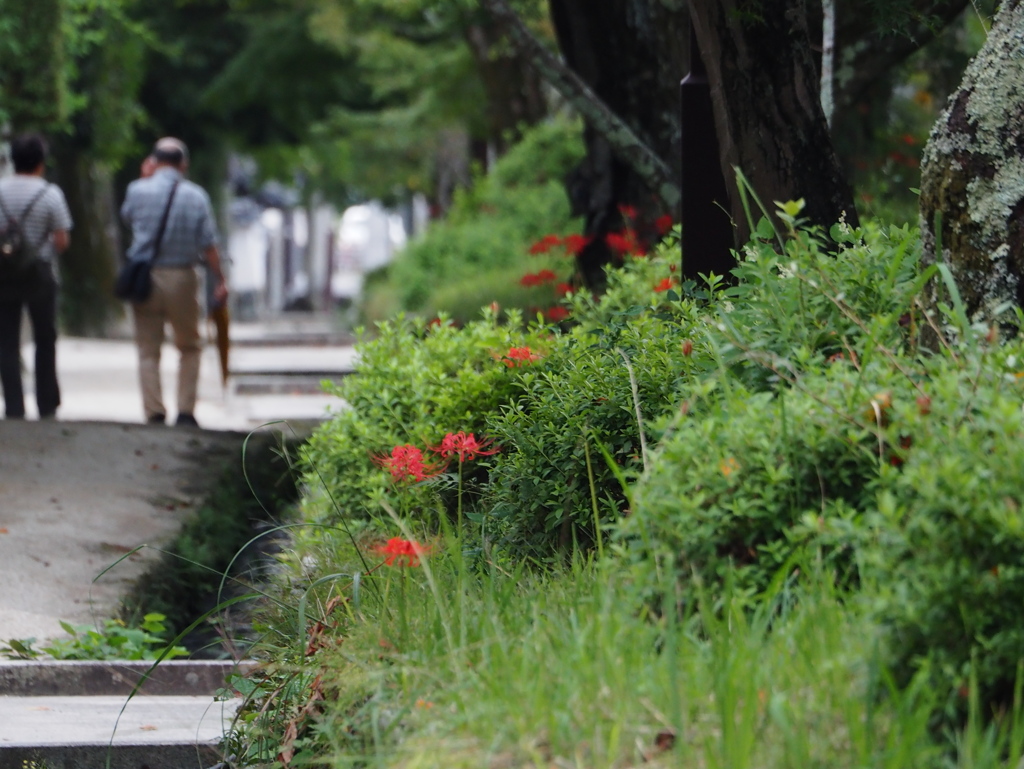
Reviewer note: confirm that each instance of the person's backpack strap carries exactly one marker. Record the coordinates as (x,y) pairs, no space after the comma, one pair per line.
(163,223)
(24,214)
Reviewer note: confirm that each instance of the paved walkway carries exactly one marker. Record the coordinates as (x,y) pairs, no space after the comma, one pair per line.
(80,492)
(275,375)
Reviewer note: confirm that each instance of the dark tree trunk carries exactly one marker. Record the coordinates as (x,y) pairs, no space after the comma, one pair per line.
(765,91)
(632,54)
(515,94)
(87,267)
(972,175)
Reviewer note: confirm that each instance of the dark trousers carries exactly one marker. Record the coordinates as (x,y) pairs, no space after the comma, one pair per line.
(42,312)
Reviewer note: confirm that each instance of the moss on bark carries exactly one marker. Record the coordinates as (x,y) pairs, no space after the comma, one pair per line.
(972,176)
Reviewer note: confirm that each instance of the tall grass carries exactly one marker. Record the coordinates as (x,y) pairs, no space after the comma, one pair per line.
(502,669)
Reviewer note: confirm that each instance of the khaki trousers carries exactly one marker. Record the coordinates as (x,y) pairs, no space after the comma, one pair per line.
(175,300)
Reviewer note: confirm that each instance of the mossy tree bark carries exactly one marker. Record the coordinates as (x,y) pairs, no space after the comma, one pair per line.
(765,92)
(972,174)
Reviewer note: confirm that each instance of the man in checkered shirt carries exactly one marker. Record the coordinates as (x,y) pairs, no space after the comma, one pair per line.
(43,217)
(189,238)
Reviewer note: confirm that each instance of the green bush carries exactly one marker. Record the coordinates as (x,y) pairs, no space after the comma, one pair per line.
(796,309)
(414,383)
(945,546)
(745,481)
(490,229)
(553,483)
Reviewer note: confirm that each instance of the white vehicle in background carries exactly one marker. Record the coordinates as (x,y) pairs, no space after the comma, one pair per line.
(368,237)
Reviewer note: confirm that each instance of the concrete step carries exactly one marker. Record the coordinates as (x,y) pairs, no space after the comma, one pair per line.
(78,715)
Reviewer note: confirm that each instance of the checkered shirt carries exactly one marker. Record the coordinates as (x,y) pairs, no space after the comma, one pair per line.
(190,225)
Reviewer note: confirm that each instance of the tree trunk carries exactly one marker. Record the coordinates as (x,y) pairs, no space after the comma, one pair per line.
(515,96)
(765,91)
(87,268)
(972,175)
(633,55)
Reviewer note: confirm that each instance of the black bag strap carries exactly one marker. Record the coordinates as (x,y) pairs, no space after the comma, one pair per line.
(163,223)
(28,208)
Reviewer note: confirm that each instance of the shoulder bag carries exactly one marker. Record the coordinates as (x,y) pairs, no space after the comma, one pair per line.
(134,283)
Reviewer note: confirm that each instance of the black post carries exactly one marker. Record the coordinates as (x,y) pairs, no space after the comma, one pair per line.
(707,229)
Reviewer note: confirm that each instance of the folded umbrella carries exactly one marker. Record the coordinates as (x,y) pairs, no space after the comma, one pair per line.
(221,319)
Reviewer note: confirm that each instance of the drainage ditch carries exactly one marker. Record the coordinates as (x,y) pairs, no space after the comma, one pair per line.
(252,497)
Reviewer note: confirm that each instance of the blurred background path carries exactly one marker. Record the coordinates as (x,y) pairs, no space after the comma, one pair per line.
(277,370)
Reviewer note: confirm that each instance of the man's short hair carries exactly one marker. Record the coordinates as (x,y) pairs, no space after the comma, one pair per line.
(171,151)
(28,152)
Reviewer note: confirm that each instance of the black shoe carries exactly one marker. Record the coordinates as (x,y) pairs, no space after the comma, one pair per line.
(186,420)
(157,419)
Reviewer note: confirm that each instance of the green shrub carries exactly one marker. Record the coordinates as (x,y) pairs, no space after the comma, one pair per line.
(579,404)
(945,547)
(490,228)
(797,309)
(414,383)
(744,481)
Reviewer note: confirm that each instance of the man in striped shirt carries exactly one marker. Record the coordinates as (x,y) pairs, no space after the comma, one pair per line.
(45,228)
(189,237)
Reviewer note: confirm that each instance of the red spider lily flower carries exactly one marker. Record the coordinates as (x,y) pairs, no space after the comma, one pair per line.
(556,314)
(628,212)
(402,552)
(520,356)
(529,280)
(547,276)
(624,243)
(575,243)
(406,463)
(665,284)
(465,447)
(563,288)
(619,242)
(545,244)
(663,224)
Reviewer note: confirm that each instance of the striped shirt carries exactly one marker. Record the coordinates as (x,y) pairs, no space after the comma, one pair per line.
(190,226)
(49,214)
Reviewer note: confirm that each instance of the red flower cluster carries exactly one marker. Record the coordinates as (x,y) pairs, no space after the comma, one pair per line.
(406,463)
(572,244)
(465,447)
(538,279)
(563,288)
(628,212)
(545,244)
(556,314)
(663,224)
(625,243)
(402,552)
(520,356)
(575,243)
(665,284)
